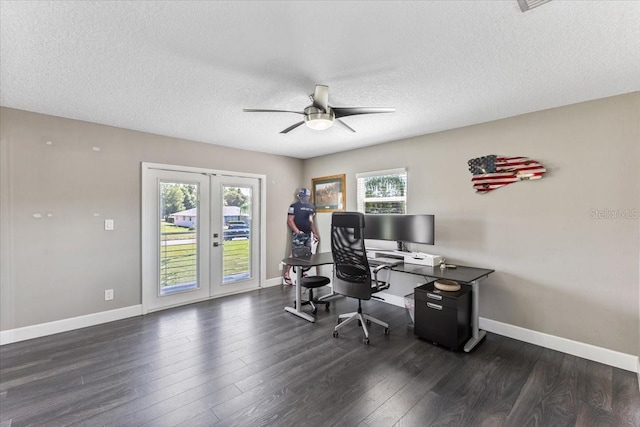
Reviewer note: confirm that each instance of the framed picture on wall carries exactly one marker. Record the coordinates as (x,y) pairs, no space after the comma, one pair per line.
(328,193)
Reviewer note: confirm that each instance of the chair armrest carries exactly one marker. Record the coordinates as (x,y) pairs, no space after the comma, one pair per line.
(380,267)
(377,285)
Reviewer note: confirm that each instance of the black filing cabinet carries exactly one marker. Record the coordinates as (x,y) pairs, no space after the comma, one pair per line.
(443,317)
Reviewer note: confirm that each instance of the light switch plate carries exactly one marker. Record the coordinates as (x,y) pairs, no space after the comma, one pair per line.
(108,224)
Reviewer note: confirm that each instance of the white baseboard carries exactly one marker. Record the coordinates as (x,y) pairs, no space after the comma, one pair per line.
(613,358)
(65,325)
(272,282)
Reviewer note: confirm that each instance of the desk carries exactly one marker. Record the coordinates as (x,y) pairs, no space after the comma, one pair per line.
(465,275)
(312,261)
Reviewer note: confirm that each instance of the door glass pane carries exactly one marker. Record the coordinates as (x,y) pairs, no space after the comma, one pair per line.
(178,237)
(236,254)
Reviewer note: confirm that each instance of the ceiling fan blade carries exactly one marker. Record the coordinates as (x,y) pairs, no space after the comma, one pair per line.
(321,97)
(346,125)
(352,111)
(254,110)
(292,127)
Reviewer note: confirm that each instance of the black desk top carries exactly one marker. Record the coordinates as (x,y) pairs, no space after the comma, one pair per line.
(460,274)
(312,261)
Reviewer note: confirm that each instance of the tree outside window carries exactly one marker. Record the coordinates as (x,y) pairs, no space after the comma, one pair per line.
(382,192)
(177,197)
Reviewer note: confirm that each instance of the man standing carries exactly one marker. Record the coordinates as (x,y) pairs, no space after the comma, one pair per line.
(300,222)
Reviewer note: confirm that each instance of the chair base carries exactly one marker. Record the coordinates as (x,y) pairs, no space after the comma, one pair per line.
(313,301)
(363,320)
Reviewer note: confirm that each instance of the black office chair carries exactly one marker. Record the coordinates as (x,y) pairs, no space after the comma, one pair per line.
(352,276)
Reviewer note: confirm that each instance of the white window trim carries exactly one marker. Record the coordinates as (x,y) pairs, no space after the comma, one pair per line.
(396,171)
(360,199)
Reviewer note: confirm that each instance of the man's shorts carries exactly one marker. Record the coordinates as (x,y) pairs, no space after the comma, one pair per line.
(300,240)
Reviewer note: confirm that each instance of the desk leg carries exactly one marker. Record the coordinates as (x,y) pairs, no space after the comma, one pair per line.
(477,334)
(330,294)
(296,310)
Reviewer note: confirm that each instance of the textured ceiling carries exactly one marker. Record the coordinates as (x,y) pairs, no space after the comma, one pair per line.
(187,69)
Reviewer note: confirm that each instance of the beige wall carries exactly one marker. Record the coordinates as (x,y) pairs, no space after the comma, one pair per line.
(57,267)
(558,270)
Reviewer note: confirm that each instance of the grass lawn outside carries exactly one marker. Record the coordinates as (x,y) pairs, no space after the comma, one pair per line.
(173,232)
(178,263)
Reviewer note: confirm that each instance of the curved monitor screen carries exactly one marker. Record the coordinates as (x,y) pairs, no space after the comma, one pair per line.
(405,228)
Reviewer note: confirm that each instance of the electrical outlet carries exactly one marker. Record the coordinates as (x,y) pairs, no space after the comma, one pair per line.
(108,224)
(280,266)
(108,294)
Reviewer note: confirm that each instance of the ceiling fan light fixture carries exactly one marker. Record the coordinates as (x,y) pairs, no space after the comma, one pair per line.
(319,121)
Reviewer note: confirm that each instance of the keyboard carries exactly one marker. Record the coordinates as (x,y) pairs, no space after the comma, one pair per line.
(391,262)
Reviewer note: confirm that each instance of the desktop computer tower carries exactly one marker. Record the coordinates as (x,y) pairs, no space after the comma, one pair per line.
(443,318)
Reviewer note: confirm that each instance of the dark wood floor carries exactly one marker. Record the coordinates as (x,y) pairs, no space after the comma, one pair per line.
(242,360)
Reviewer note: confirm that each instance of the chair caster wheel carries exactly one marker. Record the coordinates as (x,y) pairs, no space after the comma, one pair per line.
(294,304)
(386,331)
(339,320)
(366,341)
(368,322)
(314,311)
(335,334)
(327,306)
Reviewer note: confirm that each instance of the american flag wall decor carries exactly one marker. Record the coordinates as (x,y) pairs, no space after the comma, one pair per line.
(493,171)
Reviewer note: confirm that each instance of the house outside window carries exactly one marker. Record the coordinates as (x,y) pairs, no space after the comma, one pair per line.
(382,192)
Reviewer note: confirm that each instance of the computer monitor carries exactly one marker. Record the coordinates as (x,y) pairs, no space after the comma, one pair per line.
(401,228)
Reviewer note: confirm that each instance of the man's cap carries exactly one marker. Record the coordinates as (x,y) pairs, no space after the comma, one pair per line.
(304,192)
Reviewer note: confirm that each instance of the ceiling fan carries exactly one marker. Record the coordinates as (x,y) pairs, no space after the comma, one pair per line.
(320,115)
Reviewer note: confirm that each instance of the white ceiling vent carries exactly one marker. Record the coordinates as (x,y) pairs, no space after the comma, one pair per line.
(530,4)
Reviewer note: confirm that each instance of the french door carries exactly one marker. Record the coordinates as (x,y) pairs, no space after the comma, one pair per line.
(201,235)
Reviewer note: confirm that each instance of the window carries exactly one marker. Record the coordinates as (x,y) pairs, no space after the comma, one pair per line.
(382,192)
